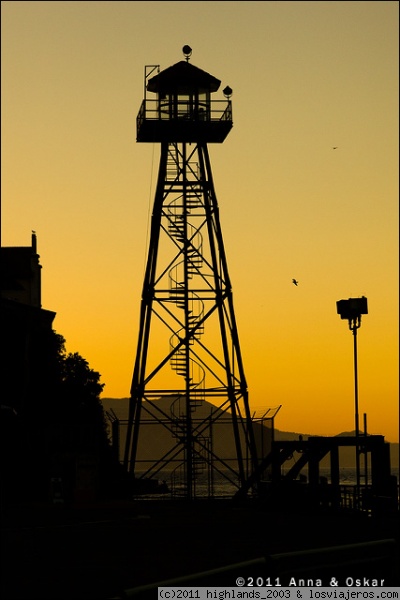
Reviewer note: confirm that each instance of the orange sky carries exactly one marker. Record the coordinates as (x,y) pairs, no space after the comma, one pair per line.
(306,76)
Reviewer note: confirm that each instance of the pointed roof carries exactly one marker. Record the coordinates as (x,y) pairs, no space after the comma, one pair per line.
(183,77)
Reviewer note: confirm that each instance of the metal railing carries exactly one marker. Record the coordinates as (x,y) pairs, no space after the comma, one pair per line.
(154,110)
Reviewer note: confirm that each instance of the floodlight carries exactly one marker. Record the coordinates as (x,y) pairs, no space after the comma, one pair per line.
(227,92)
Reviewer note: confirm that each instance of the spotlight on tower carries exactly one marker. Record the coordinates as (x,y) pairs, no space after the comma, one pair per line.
(187,51)
(227,92)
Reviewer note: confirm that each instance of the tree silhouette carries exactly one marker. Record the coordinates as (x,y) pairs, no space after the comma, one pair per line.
(79,422)
(80,390)
(61,421)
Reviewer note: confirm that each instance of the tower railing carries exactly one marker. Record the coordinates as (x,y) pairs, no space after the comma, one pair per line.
(183,122)
(152,110)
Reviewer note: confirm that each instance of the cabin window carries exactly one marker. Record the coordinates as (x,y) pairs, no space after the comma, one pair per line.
(185,106)
(165,106)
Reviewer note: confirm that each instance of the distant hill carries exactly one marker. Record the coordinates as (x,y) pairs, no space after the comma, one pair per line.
(120,407)
(159,433)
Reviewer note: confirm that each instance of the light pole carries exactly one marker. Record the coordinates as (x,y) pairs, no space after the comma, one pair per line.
(351,310)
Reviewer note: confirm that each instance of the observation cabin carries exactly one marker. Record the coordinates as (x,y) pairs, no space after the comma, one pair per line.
(182,110)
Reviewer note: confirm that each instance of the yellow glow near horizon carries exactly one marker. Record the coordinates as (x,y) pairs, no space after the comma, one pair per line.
(306,77)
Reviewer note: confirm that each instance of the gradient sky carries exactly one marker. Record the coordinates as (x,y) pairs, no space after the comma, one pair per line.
(306,76)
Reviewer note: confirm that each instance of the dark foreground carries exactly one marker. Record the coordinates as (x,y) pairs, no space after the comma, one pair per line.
(98,552)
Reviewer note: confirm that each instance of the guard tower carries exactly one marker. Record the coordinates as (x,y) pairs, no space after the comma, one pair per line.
(188,373)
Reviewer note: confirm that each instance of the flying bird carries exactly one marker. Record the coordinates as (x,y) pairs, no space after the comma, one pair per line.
(295,282)
(334,148)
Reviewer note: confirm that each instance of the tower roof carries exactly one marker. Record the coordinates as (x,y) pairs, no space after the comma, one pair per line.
(183,77)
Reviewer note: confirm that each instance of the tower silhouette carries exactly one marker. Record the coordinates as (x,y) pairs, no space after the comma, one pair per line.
(188,374)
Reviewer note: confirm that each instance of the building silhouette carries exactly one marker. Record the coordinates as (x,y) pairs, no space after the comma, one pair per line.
(23,320)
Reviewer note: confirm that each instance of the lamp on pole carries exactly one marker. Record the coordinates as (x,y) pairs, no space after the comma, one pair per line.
(351,310)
